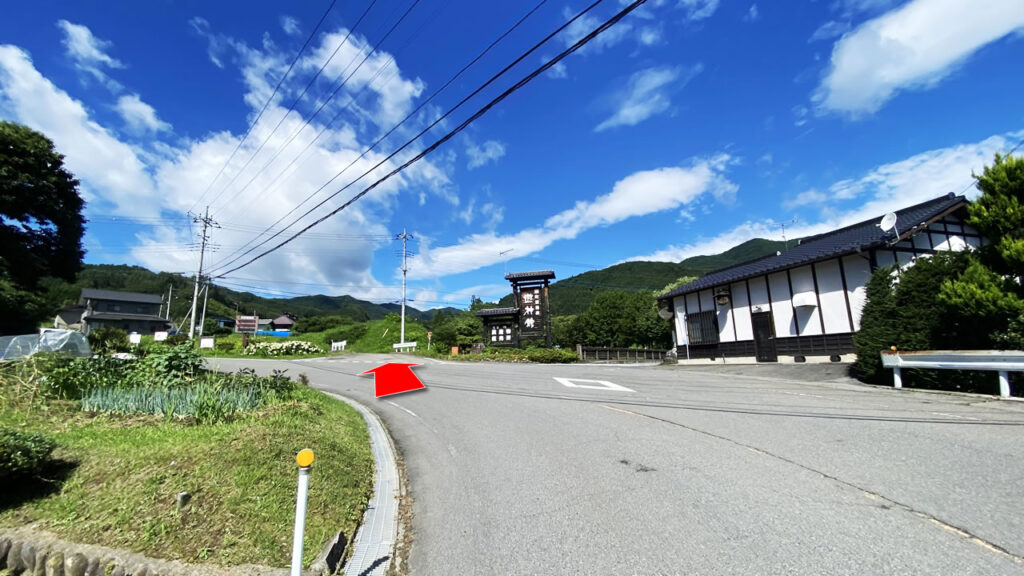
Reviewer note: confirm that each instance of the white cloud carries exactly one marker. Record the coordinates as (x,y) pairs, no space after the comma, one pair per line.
(587,23)
(699,9)
(139,116)
(649,35)
(216,46)
(800,115)
(849,8)
(752,14)
(558,71)
(829,30)
(89,53)
(389,94)
(884,189)
(646,95)
(290,26)
(106,166)
(913,47)
(118,179)
(639,194)
(489,151)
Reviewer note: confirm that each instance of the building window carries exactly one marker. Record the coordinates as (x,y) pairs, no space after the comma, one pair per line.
(702,327)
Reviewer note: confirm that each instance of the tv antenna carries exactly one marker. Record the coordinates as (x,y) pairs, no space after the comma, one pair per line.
(502,253)
(889,223)
(785,243)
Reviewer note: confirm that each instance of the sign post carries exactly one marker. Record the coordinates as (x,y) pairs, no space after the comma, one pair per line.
(305,460)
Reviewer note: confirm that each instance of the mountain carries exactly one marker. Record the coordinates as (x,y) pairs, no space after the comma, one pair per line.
(222,301)
(574,294)
(569,296)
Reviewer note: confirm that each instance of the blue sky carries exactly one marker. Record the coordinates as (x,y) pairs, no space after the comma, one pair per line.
(687,128)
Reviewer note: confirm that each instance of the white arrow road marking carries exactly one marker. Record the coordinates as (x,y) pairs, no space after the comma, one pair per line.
(593,384)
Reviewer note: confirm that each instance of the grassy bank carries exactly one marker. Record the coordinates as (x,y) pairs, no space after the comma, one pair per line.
(114,479)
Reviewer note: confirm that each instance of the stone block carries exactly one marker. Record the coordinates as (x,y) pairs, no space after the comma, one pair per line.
(39,568)
(5,547)
(28,557)
(14,561)
(94,568)
(55,564)
(75,565)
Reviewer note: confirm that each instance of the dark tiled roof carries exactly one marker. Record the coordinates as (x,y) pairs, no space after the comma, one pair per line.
(94,294)
(71,314)
(497,312)
(537,275)
(862,236)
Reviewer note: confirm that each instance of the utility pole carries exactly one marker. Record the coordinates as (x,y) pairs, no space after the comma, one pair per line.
(204,236)
(170,291)
(206,296)
(404,237)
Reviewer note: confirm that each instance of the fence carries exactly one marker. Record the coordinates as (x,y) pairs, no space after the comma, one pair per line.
(1002,361)
(635,355)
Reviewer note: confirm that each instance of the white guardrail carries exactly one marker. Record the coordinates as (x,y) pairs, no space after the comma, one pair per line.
(1002,361)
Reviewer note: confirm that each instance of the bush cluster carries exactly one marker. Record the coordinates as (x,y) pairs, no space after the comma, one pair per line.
(288,348)
(537,355)
(167,380)
(23,453)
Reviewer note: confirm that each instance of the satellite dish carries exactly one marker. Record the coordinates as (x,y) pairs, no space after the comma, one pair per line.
(888,222)
(665,313)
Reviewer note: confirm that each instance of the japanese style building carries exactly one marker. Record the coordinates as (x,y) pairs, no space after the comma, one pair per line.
(805,304)
(529,319)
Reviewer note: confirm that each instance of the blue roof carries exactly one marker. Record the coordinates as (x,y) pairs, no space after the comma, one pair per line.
(858,237)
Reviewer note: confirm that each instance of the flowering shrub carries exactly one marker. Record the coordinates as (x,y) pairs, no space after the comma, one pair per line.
(289,348)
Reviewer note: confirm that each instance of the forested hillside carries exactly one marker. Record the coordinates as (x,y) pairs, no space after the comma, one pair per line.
(222,301)
(573,295)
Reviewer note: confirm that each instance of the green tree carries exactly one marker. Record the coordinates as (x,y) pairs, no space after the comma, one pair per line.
(459,329)
(990,289)
(622,319)
(906,310)
(41,224)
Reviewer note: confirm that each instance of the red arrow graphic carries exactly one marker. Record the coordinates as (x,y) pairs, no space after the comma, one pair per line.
(394,378)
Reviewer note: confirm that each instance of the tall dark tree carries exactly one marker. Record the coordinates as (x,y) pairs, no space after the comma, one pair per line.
(991,289)
(41,224)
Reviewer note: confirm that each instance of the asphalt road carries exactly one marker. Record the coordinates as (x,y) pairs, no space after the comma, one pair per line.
(694,472)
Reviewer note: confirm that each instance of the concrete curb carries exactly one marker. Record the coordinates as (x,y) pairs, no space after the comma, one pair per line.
(373,547)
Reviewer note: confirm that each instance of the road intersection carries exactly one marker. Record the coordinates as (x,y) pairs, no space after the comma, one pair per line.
(587,469)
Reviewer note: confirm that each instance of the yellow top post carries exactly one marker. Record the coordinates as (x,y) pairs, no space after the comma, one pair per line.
(304,458)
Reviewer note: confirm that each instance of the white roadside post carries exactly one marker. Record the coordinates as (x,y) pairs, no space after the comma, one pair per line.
(304,460)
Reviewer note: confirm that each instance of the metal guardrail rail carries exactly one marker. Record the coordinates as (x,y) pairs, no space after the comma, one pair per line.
(1001,361)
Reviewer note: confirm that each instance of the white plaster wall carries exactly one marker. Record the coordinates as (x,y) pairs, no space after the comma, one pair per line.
(725,320)
(858,272)
(680,320)
(807,319)
(782,308)
(707,302)
(832,297)
(885,258)
(692,304)
(759,293)
(741,311)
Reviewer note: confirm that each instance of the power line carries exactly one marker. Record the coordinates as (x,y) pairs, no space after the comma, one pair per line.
(974,180)
(353,98)
(327,100)
(413,113)
(266,104)
(543,68)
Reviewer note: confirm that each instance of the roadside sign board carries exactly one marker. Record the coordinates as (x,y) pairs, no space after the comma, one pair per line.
(247,324)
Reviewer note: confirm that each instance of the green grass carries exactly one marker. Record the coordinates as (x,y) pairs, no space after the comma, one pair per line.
(121,476)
